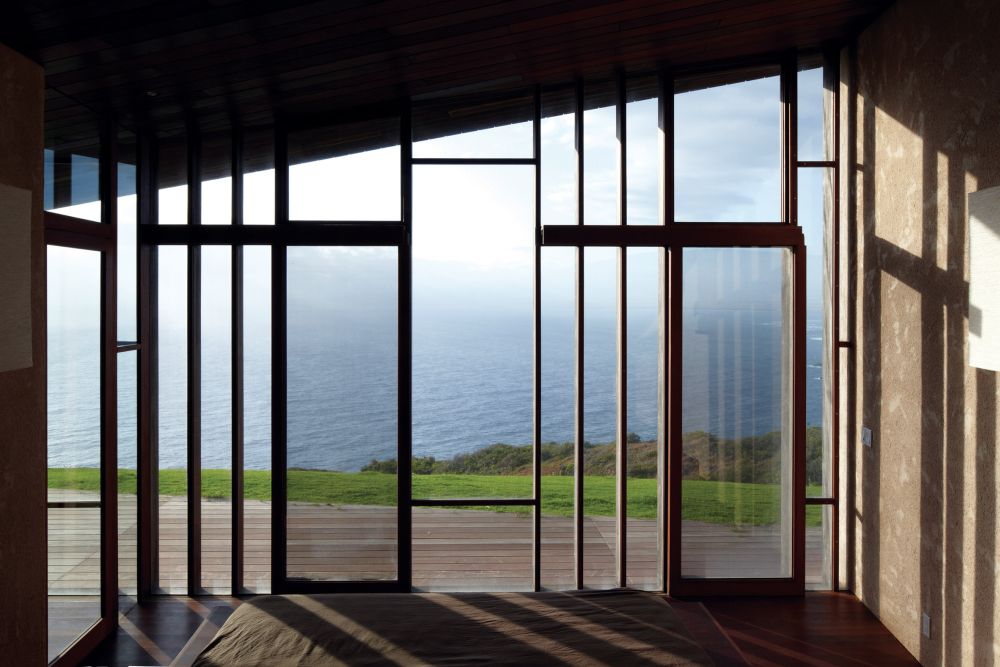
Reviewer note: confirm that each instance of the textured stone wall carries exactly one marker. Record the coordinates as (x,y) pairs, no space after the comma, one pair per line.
(922,534)
(22,392)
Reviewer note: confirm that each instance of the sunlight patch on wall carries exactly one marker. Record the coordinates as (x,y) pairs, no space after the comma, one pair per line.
(984,279)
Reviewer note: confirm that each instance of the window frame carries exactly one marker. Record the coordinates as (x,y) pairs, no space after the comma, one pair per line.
(670,236)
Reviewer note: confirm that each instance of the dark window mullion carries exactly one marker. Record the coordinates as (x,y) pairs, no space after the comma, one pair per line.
(536,432)
(194,364)
(108,184)
(674,370)
(472,502)
(236,301)
(789,157)
(621,504)
(789,139)
(279,378)
(404,428)
(665,120)
(474,161)
(578,497)
(146,312)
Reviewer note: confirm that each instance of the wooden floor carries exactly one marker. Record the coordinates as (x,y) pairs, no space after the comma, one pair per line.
(818,630)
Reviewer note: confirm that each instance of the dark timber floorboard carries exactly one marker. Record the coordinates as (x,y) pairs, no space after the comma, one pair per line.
(818,629)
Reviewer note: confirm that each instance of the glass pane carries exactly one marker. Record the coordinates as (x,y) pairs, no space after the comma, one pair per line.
(814,210)
(472,549)
(128,455)
(644,451)
(600,363)
(257,419)
(72,180)
(819,549)
(643,148)
(342,413)
(472,331)
(736,401)
(558,158)
(126,258)
(74,444)
(473,126)
(216,419)
(812,131)
(172,418)
(727,152)
(171,175)
(216,180)
(347,172)
(258,178)
(558,400)
(600,157)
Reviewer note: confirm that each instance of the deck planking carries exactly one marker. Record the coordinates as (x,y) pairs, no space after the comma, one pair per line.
(453,549)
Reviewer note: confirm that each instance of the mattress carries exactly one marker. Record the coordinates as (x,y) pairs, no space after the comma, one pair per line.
(618,627)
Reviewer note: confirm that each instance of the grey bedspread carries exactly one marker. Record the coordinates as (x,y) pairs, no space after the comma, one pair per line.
(582,628)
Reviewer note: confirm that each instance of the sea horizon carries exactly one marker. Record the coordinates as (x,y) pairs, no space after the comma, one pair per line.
(466,395)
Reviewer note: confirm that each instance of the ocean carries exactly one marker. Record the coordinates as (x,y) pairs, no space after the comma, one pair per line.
(472,387)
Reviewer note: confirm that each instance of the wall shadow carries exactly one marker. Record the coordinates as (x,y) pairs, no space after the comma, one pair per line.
(983,625)
(938,90)
(871,369)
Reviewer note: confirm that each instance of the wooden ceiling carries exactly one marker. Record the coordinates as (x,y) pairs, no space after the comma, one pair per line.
(166,61)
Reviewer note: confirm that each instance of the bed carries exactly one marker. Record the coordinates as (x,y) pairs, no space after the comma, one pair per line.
(619,627)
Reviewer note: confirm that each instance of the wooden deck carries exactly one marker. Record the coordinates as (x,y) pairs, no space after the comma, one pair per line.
(453,550)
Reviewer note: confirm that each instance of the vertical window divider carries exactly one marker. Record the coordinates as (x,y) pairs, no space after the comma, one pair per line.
(831,77)
(664,112)
(236,329)
(279,353)
(621,504)
(536,366)
(789,139)
(674,287)
(799,420)
(578,442)
(404,479)
(108,184)
(670,346)
(146,289)
(664,120)
(194,363)
(789,155)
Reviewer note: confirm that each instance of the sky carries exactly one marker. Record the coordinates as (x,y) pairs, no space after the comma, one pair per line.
(472,228)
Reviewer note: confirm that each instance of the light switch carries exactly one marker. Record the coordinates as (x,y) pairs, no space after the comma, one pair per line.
(866,436)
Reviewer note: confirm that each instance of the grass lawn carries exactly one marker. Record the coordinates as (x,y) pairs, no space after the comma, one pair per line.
(711,502)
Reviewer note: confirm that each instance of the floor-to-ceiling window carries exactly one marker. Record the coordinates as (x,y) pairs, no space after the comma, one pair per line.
(552,338)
